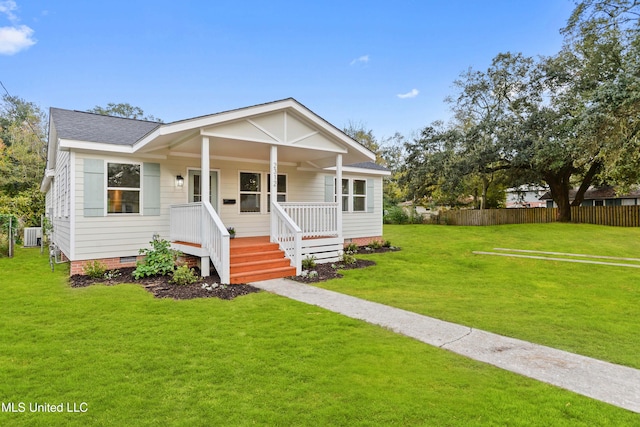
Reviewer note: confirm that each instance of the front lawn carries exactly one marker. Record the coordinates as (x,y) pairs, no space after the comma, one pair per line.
(582,308)
(260,359)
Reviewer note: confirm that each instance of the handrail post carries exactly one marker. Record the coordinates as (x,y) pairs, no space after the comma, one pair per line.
(339,194)
(298,251)
(274,189)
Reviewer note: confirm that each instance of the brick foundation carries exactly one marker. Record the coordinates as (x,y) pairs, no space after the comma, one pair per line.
(362,241)
(77,267)
(190,260)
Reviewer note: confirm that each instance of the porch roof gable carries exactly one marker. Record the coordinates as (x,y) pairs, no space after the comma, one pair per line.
(285,122)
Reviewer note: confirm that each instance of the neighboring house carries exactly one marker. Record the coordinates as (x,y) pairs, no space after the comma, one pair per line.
(525,197)
(603,196)
(112,184)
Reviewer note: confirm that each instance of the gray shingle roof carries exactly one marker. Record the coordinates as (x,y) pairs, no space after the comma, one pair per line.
(369,165)
(83,126)
(606,192)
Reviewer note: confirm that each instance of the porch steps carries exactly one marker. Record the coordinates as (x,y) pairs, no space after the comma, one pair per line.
(254,259)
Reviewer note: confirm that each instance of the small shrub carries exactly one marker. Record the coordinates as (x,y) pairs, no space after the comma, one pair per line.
(158,261)
(184,275)
(386,244)
(352,248)
(95,269)
(309,263)
(347,258)
(112,274)
(376,244)
(395,215)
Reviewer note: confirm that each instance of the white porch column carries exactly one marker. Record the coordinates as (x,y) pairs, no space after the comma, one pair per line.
(273,188)
(204,185)
(339,193)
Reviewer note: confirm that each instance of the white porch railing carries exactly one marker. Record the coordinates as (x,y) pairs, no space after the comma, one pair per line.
(314,219)
(288,235)
(186,225)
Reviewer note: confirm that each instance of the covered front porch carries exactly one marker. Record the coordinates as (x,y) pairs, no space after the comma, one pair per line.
(247,151)
(296,229)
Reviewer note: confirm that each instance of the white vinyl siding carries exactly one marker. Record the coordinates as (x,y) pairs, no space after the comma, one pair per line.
(104,236)
(123,235)
(59,205)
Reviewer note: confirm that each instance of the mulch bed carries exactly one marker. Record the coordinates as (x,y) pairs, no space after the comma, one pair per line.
(161,287)
(331,271)
(209,287)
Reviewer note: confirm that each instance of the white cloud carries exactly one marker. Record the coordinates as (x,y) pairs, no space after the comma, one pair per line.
(16,37)
(362,59)
(7,7)
(412,94)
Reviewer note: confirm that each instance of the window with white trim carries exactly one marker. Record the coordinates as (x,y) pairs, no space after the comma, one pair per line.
(123,188)
(250,192)
(359,195)
(354,195)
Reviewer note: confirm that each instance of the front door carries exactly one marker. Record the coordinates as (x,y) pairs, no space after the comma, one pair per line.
(195,187)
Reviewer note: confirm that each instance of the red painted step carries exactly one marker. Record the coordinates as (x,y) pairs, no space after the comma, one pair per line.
(255,258)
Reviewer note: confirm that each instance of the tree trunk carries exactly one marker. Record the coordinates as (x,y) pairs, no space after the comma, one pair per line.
(560,185)
(485,187)
(586,183)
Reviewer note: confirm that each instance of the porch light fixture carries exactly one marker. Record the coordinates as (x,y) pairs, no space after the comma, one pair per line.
(179,181)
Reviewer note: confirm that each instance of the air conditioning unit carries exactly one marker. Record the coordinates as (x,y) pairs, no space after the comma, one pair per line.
(32,236)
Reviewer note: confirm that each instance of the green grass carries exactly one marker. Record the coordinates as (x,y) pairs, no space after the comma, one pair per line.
(588,309)
(257,360)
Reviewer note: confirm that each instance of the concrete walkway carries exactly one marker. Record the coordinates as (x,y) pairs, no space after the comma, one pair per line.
(614,384)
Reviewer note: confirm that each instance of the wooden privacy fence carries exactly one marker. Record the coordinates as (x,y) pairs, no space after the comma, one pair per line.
(620,216)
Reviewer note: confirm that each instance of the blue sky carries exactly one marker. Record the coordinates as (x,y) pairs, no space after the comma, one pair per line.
(387,65)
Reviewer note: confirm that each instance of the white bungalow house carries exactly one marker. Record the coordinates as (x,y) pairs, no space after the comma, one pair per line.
(112,184)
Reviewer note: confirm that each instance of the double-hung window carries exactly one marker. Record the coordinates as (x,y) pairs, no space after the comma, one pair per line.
(250,191)
(359,195)
(354,195)
(123,188)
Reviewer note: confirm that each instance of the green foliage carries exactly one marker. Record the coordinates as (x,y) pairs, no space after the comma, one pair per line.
(352,248)
(184,275)
(125,110)
(365,137)
(4,232)
(376,244)
(95,269)
(399,215)
(395,215)
(309,262)
(347,258)
(160,260)
(22,159)
(112,274)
